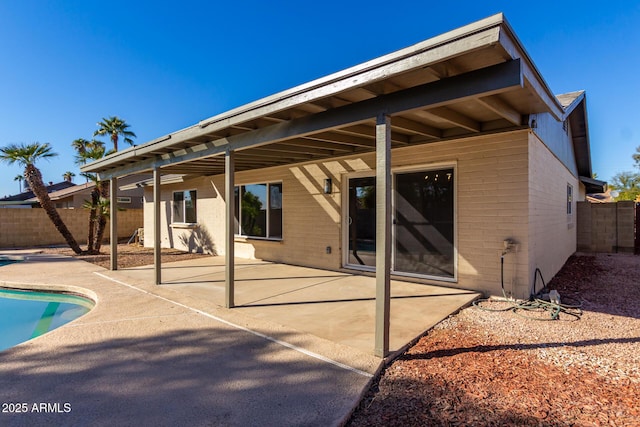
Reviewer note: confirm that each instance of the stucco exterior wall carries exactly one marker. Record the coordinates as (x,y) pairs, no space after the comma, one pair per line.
(552,231)
(492,205)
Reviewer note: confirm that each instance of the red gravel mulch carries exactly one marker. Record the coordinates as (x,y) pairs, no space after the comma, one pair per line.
(466,373)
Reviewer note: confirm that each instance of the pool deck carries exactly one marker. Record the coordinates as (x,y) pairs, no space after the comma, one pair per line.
(297,349)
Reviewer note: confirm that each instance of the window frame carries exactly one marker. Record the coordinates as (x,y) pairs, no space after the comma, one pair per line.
(184,207)
(239,232)
(570,202)
(394,171)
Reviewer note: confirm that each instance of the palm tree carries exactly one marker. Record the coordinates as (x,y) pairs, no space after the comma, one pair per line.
(26,155)
(115,127)
(68,176)
(19,178)
(89,151)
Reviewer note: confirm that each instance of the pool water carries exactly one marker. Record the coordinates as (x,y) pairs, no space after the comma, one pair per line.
(6,261)
(25,315)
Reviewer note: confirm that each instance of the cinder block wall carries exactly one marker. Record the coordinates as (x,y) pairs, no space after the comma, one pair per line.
(21,228)
(552,230)
(626,223)
(606,227)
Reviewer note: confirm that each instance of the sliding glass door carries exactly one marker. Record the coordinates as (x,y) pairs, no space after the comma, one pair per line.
(423,223)
(362,223)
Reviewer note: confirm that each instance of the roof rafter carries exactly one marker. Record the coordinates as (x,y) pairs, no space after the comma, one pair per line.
(483,82)
(456,118)
(501,108)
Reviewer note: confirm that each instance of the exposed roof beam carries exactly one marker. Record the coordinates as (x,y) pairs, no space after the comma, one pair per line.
(300,148)
(334,147)
(415,127)
(343,139)
(501,108)
(484,82)
(369,131)
(456,118)
(530,74)
(267,153)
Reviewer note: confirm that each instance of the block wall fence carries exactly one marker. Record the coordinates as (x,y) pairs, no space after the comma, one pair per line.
(20,228)
(606,227)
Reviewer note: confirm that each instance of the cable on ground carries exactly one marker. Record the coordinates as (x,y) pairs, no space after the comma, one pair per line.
(539,306)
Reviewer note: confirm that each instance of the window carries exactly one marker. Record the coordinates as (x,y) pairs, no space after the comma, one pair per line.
(258,210)
(569,199)
(184,207)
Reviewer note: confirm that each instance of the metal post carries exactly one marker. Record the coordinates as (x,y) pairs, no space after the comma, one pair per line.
(113,228)
(157,259)
(383,233)
(229,172)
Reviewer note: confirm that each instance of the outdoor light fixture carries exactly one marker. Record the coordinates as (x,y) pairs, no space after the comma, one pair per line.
(327,186)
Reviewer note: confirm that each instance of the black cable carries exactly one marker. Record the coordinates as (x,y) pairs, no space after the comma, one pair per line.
(535,304)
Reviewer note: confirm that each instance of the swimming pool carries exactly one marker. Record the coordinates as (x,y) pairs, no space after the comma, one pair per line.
(5,260)
(25,315)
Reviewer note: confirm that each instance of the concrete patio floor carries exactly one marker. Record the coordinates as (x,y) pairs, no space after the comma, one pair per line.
(334,305)
(296,351)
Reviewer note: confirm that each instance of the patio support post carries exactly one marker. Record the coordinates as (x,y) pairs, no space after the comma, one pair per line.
(156,226)
(383,233)
(113,227)
(229,188)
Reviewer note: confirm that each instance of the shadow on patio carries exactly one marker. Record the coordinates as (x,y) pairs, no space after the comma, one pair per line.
(336,306)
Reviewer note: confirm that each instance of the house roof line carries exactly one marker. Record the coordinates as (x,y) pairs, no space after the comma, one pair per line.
(283,96)
(483,34)
(420,47)
(576,116)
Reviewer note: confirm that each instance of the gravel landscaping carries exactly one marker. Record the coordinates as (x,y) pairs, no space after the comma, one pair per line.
(496,368)
(131,255)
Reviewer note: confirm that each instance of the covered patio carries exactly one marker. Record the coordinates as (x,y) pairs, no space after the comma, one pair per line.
(473,81)
(335,306)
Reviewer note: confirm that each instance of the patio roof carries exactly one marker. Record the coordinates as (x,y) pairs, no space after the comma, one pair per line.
(473,80)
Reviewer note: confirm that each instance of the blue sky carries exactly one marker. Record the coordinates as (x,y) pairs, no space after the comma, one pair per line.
(163,66)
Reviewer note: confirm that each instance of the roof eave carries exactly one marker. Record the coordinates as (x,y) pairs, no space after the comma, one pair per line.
(485,33)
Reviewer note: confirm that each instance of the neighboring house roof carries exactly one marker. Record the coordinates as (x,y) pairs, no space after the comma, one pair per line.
(69,191)
(28,195)
(471,81)
(600,197)
(593,185)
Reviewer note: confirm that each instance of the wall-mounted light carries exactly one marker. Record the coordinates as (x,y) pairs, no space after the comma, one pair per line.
(327,186)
